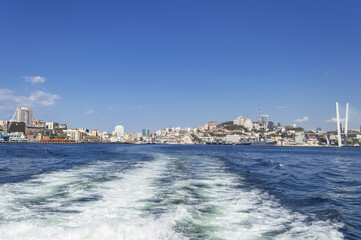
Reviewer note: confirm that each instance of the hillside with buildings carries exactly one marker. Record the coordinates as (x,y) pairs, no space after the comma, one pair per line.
(24,128)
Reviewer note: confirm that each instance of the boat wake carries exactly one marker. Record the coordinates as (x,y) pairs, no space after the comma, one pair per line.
(161,197)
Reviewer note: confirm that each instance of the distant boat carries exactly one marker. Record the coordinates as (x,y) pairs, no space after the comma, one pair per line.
(264,143)
(243,143)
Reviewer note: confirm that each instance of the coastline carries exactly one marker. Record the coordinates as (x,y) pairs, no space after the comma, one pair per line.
(127,143)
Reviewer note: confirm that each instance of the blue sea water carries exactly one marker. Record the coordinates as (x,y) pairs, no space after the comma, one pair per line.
(100,191)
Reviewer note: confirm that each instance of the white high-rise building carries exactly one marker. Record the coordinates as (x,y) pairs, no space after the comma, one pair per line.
(248,124)
(264,121)
(239,121)
(119,132)
(25,115)
(49,125)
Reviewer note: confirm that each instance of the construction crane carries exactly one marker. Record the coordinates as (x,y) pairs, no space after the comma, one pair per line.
(13,119)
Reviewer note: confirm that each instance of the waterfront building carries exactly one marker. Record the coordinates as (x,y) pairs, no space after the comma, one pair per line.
(83,130)
(233,138)
(49,125)
(212,125)
(38,123)
(256,125)
(64,126)
(239,121)
(33,132)
(271,125)
(202,128)
(119,131)
(299,138)
(146,132)
(25,115)
(182,132)
(17,127)
(74,134)
(94,133)
(264,121)
(4,125)
(77,136)
(17,136)
(248,124)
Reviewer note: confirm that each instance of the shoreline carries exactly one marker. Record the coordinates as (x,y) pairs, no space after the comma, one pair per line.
(284,145)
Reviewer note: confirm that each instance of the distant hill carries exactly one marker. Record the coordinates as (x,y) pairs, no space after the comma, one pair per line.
(229,126)
(296,129)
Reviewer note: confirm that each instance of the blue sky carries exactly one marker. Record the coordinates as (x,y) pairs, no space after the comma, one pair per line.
(154,64)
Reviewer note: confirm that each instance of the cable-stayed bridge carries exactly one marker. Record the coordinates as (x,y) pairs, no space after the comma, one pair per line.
(352,118)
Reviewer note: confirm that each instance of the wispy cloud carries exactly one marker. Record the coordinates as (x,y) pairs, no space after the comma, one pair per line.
(333,120)
(9,99)
(304,119)
(90,111)
(34,79)
(282,107)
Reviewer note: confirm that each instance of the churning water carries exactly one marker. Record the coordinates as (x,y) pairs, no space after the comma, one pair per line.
(100,191)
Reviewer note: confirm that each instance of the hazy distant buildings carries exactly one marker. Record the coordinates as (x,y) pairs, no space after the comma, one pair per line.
(64,126)
(271,125)
(264,121)
(77,136)
(49,125)
(299,138)
(212,125)
(239,121)
(233,138)
(25,115)
(94,133)
(119,132)
(248,124)
(146,132)
(202,128)
(244,122)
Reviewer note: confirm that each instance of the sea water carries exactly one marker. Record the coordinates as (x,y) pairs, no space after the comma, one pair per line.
(112,191)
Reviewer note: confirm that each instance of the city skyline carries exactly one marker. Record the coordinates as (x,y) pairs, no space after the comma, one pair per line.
(161,64)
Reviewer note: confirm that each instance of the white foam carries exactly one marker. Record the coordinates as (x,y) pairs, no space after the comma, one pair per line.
(126,208)
(241,214)
(117,215)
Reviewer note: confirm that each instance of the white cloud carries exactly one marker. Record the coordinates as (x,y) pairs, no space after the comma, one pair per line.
(282,107)
(333,120)
(9,99)
(304,119)
(34,79)
(43,99)
(90,112)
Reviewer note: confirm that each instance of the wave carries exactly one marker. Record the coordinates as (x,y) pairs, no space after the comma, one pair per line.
(162,197)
